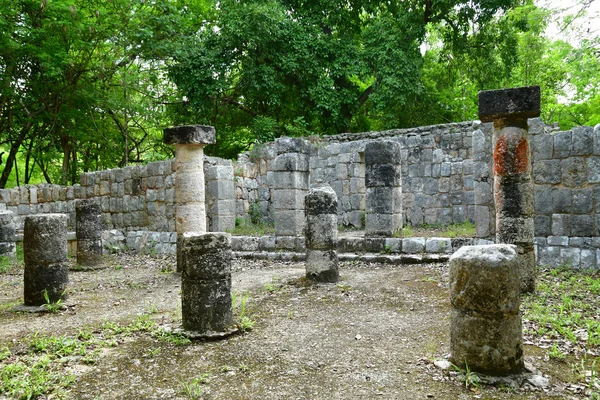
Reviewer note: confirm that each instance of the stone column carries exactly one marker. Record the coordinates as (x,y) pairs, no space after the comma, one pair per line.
(190,211)
(485,323)
(88,216)
(220,197)
(290,184)
(509,109)
(45,253)
(483,180)
(321,235)
(383,179)
(7,234)
(206,284)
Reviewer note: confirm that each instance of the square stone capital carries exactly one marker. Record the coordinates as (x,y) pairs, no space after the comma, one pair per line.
(509,104)
(190,134)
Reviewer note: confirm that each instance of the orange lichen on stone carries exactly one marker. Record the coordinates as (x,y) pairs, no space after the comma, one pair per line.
(509,160)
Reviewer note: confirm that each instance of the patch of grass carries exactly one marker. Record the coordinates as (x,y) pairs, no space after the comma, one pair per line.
(193,390)
(272,286)
(245,227)
(244,321)
(53,307)
(470,378)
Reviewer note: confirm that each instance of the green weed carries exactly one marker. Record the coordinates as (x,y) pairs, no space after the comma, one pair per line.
(53,307)
(244,321)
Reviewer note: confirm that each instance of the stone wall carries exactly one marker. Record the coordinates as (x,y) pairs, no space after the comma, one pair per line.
(437,174)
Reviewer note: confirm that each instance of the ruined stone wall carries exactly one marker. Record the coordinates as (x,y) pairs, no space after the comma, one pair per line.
(437,174)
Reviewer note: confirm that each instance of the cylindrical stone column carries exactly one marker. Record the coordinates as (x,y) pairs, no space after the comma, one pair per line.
(486,329)
(321,235)
(509,109)
(190,210)
(88,230)
(290,184)
(383,179)
(7,234)
(206,283)
(45,254)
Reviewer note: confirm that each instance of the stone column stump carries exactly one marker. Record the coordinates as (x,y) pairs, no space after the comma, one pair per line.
(509,109)
(7,234)
(206,285)
(290,184)
(190,209)
(383,179)
(89,226)
(485,325)
(45,253)
(220,197)
(321,235)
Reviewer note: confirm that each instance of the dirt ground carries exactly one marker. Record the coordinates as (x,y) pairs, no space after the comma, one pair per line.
(374,335)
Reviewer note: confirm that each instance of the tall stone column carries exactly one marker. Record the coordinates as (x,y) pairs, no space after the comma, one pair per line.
(321,235)
(290,184)
(220,197)
(89,226)
(383,179)
(190,209)
(7,234)
(206,284)
(509,109)
(45,256)
(486,332)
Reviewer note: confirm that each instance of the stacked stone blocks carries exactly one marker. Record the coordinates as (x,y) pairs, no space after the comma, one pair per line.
(89,233)
(321,235)
(45,256)
(7,234)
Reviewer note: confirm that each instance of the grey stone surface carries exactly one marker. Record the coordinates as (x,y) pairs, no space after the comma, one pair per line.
(89,229)
(190,134)
(7,233)
(206,282)
(583,140)
(45,258)
(413,245)
(516,103)
(561,224)
(322,265)
(486,329)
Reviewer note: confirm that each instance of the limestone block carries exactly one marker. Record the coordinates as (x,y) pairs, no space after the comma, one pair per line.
(382,152)
(382,224)
(543,199)
(219,172)
(190,187)
(266,243)
(588,259)
(413,245)
(45,256)
(459,214)
(582,201)
(583,225)
(285,242)
(206,256)
(289,223)
(221,190)
(582,140)
(190,218)
(244,243)
(593,170)
(514,103)
(438,245)
(569,256)
(296,145)
(573,171)
(562,144)
(548,255)
(482,221)
(542,147)
(206,306)
(383,200)
(542,225)
(89,252)
(597,139)
(190,134)
(88,219)
(322,265)
(290,180)
(444,216)
(222,207)
(321,231)
(289,199)
(562,200)
(562,241)
(222,223)
(291,162)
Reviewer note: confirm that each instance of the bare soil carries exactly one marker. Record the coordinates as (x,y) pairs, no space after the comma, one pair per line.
(374,335)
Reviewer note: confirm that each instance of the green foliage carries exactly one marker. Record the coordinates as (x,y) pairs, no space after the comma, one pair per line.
(244,321)
(51,306)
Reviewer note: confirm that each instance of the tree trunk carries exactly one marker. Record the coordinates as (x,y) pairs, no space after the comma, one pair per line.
(12,155)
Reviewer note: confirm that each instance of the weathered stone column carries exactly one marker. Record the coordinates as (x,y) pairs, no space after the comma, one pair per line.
(190,211)
(509,109)
(290,184)
(7,234)
(45,253)
(206,284)
(485,325)
(220,197)
(89,226)
(383,179)
(321,235)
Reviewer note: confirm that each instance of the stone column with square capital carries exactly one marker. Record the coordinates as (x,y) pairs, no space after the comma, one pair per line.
(383,179)
(190,206)
(290,185)
(509,110)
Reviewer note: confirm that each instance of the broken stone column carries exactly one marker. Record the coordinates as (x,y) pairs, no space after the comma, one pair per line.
(206,284)
(485,323)
(290,184)
(190,211)
(45,256)
(509,109)
(383,179)
(220,197)
(321,235)
(7,234)
(88,220)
